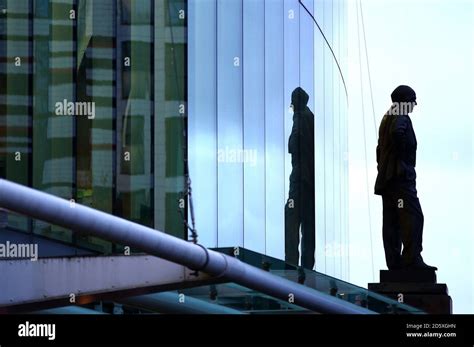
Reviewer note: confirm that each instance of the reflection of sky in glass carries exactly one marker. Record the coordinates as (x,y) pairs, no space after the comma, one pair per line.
(429,46)
(243,104)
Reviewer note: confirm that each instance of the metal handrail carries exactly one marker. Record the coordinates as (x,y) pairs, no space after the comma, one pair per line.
(79,218)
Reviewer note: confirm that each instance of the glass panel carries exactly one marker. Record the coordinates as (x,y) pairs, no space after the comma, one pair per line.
(276,108)
(338,175)
(135,197)
(320,140)
(53,129)
(254,126)
(95,143)
(229,123)
(203,116)
(16,101)
(242,299)
(329,174)
(323,283)
(292,75)
(170,59)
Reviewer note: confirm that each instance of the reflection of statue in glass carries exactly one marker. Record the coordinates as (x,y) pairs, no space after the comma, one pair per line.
(396,182)
(299,209)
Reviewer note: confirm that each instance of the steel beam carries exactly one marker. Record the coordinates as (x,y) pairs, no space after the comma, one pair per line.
(88,277)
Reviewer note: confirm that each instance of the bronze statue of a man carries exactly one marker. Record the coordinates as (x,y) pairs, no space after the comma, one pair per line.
(396,183)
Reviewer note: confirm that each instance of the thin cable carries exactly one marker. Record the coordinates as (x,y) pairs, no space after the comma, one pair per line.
(187,179)
(368,68)
(334,56)
(365,147)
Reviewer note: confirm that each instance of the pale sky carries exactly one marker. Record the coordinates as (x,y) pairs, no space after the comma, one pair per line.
(428,45)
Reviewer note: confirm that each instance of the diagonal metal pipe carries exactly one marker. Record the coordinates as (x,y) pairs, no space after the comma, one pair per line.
(79,218)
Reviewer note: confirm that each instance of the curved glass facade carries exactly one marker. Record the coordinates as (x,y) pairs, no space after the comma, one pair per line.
(245,59)
(128,62)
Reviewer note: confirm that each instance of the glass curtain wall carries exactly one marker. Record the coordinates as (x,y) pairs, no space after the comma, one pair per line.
(245,59)
(93,106)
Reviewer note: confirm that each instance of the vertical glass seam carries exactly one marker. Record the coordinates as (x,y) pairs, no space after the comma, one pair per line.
(114,115)
(152,113)
(30,100)
(217,121)
(74,119)
(243,117)
(264,128)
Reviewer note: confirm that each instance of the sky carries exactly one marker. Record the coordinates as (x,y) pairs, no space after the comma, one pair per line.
(428,45)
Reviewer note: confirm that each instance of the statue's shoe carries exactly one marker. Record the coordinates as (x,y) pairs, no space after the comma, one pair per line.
(422,265)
